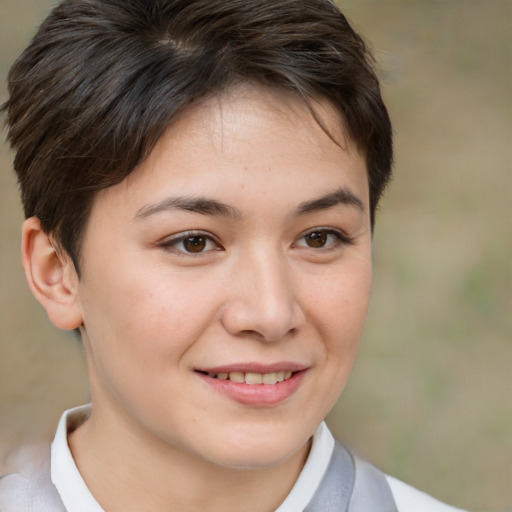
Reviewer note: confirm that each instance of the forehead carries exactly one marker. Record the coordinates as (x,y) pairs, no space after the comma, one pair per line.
(238,113)
(247,139)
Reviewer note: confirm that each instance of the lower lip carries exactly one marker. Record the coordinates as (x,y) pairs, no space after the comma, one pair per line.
(256,395)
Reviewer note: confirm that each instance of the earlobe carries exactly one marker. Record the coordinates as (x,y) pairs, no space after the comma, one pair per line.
(51,276)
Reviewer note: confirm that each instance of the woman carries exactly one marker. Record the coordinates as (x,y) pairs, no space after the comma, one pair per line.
(200,181)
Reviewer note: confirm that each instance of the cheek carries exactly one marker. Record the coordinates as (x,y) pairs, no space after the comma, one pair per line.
(341,305)
(139,320)
(131,339)
(342,316)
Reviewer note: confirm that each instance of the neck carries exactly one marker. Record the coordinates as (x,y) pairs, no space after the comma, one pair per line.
(125,469)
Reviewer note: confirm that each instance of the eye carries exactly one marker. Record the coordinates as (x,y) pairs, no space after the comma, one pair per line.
(191,243)
(322,238)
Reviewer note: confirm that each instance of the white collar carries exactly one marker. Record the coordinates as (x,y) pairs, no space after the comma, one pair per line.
(312,472)
(76,496)
(65,476)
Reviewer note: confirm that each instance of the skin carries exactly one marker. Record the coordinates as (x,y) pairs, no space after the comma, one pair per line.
(258,291)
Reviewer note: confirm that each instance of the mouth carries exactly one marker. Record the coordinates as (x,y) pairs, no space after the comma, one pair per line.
(255,385)
(252,378)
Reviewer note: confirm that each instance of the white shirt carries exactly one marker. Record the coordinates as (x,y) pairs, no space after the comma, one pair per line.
(76,496)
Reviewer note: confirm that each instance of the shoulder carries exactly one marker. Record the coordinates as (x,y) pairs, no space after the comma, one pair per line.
(371,484)
(28,488)
(409,499)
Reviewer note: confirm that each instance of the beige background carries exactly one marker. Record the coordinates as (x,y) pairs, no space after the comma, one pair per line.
(430,400)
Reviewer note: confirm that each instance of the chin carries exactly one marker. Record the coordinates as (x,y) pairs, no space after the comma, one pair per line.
(257,459)
(260,450)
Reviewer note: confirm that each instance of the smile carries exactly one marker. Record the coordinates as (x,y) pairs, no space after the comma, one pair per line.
(252,378)
(252,388)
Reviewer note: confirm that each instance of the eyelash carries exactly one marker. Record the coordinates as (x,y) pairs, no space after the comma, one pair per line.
(341,238)
(173,243)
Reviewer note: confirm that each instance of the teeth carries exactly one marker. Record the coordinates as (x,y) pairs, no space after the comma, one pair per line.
(269,378)
(236,377)
(252,378)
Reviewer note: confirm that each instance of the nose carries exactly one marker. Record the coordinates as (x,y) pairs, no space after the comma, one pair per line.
(262,300)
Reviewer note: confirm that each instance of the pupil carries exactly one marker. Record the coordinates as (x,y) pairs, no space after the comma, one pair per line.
(195,244)
(316,239)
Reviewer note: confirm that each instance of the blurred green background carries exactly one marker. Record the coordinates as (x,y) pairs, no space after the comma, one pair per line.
(430,399)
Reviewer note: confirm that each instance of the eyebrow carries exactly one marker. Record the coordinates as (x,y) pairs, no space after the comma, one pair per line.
(205,206)
(341,196)
(200,205)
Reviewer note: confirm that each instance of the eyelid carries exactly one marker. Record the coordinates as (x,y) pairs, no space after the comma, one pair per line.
(342,237)
(170,242)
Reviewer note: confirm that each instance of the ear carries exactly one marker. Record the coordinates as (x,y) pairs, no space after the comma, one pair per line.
(51,276)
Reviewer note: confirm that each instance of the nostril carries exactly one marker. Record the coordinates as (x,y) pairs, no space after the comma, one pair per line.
(262,315)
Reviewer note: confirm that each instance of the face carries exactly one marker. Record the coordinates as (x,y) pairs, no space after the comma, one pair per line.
(226,281)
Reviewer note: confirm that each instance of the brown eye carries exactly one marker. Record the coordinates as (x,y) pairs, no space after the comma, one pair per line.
(194,244)
(323,238)
(191,243)
(317,239)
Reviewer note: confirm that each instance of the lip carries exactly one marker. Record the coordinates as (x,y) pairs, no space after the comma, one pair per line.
(255,368)
(255,395)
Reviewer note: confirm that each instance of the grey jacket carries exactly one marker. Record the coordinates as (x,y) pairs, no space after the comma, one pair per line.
(349,485)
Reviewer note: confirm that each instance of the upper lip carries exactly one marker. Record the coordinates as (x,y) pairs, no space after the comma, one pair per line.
(284,366)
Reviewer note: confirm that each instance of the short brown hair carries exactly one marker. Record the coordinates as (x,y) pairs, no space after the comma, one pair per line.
(103,79)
